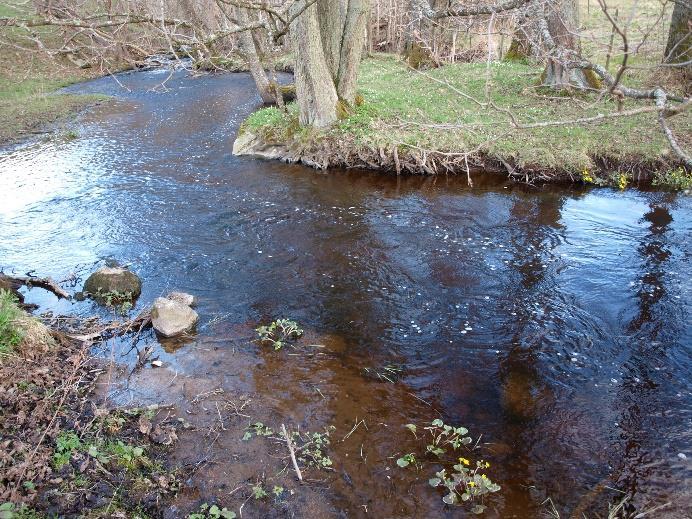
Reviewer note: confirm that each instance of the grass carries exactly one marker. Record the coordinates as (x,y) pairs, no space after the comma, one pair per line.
(404,108)
(11,332)
(29,79)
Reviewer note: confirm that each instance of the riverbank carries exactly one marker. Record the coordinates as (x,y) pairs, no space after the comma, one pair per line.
(432,122)
(28,82)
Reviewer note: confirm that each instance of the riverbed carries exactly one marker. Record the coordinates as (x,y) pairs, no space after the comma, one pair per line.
(552,322)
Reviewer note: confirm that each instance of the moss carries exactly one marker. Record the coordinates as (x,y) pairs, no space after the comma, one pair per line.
(359,100)
(593,80)
(342,109)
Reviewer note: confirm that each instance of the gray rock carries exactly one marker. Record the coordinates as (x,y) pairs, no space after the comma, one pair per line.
(113,280)
(183,297)
(172,318)
(247,143)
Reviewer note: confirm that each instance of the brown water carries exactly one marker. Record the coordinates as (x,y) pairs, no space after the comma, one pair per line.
(553,321)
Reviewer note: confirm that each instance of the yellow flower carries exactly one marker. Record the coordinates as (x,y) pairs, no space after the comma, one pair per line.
(487,464)
(464,461)
(483,476)
(472,484)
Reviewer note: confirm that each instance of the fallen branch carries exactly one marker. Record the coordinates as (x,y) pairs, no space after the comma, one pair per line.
(292,452)
(31,281)
(115,328)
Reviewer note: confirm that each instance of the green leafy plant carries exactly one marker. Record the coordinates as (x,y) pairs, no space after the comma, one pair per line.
(129,456)
(279,333)
(312,448)
(277,490)
(120,301)
(65,445)
(445,436)
(212,512)
(11,334)
(406,460)
(677,179)
(464,483)
(258,491)
(258,429)
(12,511)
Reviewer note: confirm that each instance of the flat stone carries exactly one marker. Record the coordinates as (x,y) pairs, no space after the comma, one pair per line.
(172,318)
(183,297)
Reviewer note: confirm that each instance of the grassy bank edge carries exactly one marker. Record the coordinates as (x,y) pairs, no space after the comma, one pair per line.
(408,124)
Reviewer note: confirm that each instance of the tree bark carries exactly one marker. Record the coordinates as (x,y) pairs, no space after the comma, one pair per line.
(315,88)
(559,31)
(679,46)
(249,50)
(328,38)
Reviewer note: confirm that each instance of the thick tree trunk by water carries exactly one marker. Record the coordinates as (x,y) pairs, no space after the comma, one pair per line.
(679,46)
(560,26)
(328,38)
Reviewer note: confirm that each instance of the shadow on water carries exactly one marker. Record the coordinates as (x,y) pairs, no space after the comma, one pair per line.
(554,322)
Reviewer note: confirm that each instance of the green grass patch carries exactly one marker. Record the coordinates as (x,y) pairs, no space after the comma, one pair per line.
(11,331)
(406,108)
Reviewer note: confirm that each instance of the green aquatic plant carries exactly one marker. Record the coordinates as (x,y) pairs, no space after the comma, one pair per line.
(207,511)
(463,482)
(407,459)
(279,333)
(258,429)
(311,448)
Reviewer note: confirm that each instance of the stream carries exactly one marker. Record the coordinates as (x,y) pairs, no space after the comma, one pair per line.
(553,322)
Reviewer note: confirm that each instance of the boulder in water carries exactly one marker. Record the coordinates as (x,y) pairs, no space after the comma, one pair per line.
(172,318)
(115,282)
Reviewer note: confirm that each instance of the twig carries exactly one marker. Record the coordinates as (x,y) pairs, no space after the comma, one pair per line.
(292,452)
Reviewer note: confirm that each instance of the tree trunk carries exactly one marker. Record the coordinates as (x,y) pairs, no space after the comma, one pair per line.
(328,38)
(249,50)
(560,26)
(679,46)
(520,49)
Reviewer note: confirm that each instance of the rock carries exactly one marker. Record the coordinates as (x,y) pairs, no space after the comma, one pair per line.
(113,280)
(171,318)
(183,297)
(247,143)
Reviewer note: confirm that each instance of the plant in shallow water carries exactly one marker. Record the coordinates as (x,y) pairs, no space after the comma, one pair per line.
(279,333)
(463,483)
(259,429)
(212,512)
(312,448)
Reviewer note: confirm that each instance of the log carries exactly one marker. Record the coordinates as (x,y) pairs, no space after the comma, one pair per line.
(32,281)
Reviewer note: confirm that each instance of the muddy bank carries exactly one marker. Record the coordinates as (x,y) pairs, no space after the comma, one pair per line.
(326,151)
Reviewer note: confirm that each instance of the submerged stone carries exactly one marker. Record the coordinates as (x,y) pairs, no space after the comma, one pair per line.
(114,281)
(172,318)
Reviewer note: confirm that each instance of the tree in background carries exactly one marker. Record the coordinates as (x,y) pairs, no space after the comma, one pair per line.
(679,46)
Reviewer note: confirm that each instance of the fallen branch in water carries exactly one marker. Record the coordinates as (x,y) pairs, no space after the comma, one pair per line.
(31,281)
(292,452)
(115,328)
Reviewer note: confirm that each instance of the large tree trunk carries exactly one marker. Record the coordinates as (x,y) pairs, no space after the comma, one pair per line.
(328,38)
(560,26)
(679,46)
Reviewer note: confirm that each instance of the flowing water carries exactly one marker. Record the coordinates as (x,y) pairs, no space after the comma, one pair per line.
(554,322)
